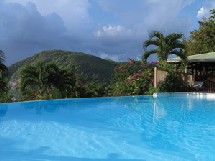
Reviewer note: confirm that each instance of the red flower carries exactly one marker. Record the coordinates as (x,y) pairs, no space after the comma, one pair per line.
(131,61)
(121,67)
(129,80)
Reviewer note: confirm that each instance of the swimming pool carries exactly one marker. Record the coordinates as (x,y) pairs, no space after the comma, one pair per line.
(171,127)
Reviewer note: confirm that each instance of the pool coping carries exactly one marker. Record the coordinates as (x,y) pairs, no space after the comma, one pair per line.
(198,94)
(206,95)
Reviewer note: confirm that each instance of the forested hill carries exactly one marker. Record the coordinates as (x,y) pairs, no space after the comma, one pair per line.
(92,66)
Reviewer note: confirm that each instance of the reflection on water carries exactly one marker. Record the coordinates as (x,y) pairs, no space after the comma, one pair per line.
(172,127)
(3,110)
(43,106)
(158,111)
(52,106)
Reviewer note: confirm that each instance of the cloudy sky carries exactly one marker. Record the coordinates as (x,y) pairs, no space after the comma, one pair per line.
(113,29)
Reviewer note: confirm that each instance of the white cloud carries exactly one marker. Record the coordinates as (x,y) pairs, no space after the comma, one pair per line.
(116,27)
(113,31)
(203,12)
(109,56)
(23,30)
(73,12)
(146,15)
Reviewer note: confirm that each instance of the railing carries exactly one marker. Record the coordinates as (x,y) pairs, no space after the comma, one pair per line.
(209,85)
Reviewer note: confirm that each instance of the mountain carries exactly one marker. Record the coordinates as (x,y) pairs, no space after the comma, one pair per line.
(92,66)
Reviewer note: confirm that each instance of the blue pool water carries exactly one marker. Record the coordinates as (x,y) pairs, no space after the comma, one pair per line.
(171,127)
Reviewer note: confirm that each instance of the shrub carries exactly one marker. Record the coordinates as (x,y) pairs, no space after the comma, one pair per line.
(132,78)
(173,83)
(5,97)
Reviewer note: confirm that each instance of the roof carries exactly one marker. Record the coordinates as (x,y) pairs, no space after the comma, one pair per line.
(208,57)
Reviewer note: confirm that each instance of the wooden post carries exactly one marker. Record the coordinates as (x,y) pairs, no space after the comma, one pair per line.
(155,77)
(185,70)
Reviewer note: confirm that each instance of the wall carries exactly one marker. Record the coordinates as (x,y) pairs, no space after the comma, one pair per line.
(160,75)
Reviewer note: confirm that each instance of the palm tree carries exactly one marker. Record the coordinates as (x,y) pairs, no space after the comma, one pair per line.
(61,79)
(30,77)
(166,45)
(3,68)
(43,78)
(3,72)
(34,78)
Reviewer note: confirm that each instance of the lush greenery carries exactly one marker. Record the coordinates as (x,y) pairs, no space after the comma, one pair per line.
(62,74)
(4,94)
(94,68)
(202,40)
(173,83)
(166,45)
(46,81)
(132,78)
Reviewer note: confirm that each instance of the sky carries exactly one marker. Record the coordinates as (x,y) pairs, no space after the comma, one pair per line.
(111,29)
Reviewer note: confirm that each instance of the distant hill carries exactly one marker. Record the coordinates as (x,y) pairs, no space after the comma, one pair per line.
(90,65)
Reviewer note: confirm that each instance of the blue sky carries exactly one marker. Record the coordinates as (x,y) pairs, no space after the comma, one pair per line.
(113,29)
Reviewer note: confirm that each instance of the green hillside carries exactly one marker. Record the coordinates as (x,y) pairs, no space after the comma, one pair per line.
(92,66)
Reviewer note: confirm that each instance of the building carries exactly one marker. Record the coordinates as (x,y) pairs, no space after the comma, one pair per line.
(199,72)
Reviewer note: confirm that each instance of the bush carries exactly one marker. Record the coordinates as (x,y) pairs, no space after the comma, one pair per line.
(173,83)
(5,97)
(152,90)
(132,78)
(56,94)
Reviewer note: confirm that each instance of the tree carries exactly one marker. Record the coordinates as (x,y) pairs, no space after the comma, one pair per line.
(61,79)
(166,45)
(34,77)
(4,92)
(173,83)
(44,80)
(3,73)
(202,40)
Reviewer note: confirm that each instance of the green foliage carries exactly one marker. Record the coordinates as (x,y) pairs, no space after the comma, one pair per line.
(3,73)
(132,78)
(45,81)
(152,90)
(203,40)
(5,97)
(173,83)
(76,71)
(56,94)
(166,45)
(3,68)
(94,89)
(3,84)
(90,65)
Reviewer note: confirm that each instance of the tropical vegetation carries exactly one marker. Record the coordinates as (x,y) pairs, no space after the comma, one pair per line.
(62,74)
(132,78)
(45,81)
(165,46)
(173,83)
(89,66)
(202,40)
(4,95)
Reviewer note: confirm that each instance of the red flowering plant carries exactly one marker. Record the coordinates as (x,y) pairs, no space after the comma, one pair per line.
(133,78)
